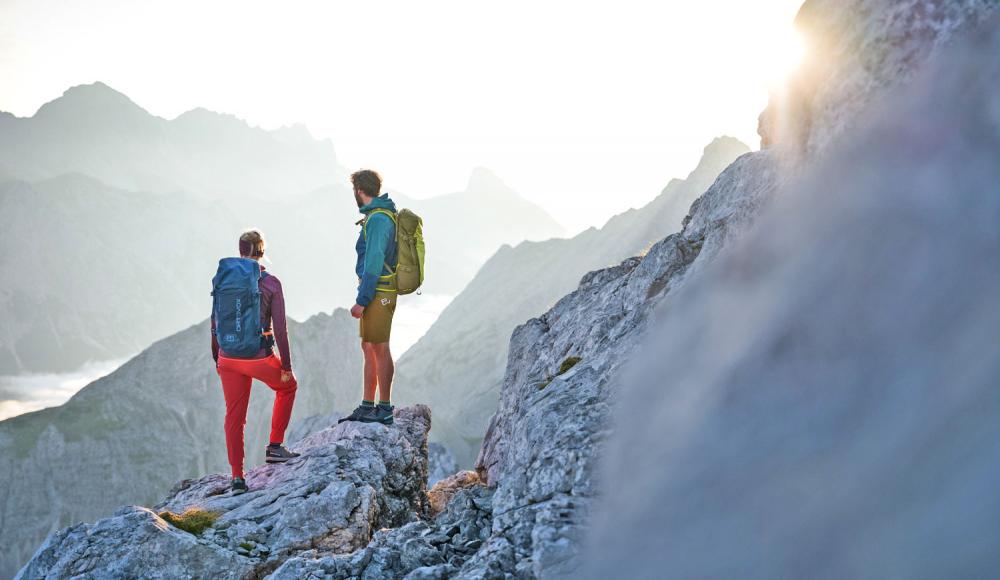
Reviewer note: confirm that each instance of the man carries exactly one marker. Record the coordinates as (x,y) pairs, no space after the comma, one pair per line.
(376,300)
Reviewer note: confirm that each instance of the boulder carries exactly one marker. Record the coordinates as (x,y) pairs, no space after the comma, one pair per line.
(351,480)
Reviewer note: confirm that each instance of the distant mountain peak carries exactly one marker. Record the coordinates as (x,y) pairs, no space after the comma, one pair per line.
(725,144)
(720,153)
(202,112)
(482,179)
(88,99)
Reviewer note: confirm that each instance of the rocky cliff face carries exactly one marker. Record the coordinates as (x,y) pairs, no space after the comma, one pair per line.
(542,445)
(127,438)
(541,448)
(462,384)
(833,412)
(351,480)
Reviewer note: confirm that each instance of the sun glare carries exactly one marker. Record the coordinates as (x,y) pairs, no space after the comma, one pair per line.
(784,51)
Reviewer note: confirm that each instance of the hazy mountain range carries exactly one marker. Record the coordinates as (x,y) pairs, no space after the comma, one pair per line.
(458,366)
(95,130)
(97,270)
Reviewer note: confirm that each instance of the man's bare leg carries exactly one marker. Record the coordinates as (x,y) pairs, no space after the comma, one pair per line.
(371,370)
(384,369)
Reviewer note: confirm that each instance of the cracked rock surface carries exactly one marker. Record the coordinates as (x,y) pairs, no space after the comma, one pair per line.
(351,480)
(418,550)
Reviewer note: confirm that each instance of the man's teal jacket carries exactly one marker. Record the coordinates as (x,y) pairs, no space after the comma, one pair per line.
(377,250)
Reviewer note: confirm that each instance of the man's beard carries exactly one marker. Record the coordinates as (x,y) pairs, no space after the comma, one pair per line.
(357,198)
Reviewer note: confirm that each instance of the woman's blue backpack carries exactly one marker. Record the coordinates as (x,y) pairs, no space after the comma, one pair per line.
(236,306)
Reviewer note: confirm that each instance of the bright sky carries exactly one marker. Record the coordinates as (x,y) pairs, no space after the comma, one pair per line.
(586,108)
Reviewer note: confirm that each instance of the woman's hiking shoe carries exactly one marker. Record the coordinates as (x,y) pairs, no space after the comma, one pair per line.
(239,486)
(278,454)
(382,414)
(360,414)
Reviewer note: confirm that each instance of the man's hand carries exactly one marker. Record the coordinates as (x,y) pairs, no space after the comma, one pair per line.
(287,376)
(357,310)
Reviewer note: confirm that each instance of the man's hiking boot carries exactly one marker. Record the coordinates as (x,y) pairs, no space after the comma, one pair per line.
(278,454)
(239,486)
(382,414)
(359,414)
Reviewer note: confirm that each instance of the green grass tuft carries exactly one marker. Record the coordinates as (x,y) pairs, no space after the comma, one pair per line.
(568,364)
(565,366)
(193,520)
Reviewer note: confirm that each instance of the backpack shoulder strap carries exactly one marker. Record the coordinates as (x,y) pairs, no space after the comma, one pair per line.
(364,222)
(364,231)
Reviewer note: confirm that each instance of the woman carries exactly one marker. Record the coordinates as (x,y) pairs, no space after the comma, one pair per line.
(239,367)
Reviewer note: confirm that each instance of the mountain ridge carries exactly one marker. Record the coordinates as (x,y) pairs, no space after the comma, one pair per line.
(518,283)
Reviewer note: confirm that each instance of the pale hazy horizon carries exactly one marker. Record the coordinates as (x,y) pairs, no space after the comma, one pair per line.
(584,110)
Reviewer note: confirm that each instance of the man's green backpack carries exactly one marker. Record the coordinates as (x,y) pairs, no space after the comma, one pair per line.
(409,270)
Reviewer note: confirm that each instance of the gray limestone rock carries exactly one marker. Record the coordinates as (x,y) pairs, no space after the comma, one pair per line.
(463,385)
(351,480)
(422,549)
(542,445)
(823,402)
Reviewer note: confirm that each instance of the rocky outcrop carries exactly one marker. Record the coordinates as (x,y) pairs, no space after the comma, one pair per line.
(351,480)
(833,411)
(440,461)
(541,447)
(444,490)
(128,437)
(462,385)
(421,550)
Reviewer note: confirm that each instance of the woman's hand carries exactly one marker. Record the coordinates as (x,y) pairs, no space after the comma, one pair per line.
(287,376)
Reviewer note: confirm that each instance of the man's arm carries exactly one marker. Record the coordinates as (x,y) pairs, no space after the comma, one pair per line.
(379,233)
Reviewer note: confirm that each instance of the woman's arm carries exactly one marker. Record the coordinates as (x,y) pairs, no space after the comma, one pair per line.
(279,326)
(215,341)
